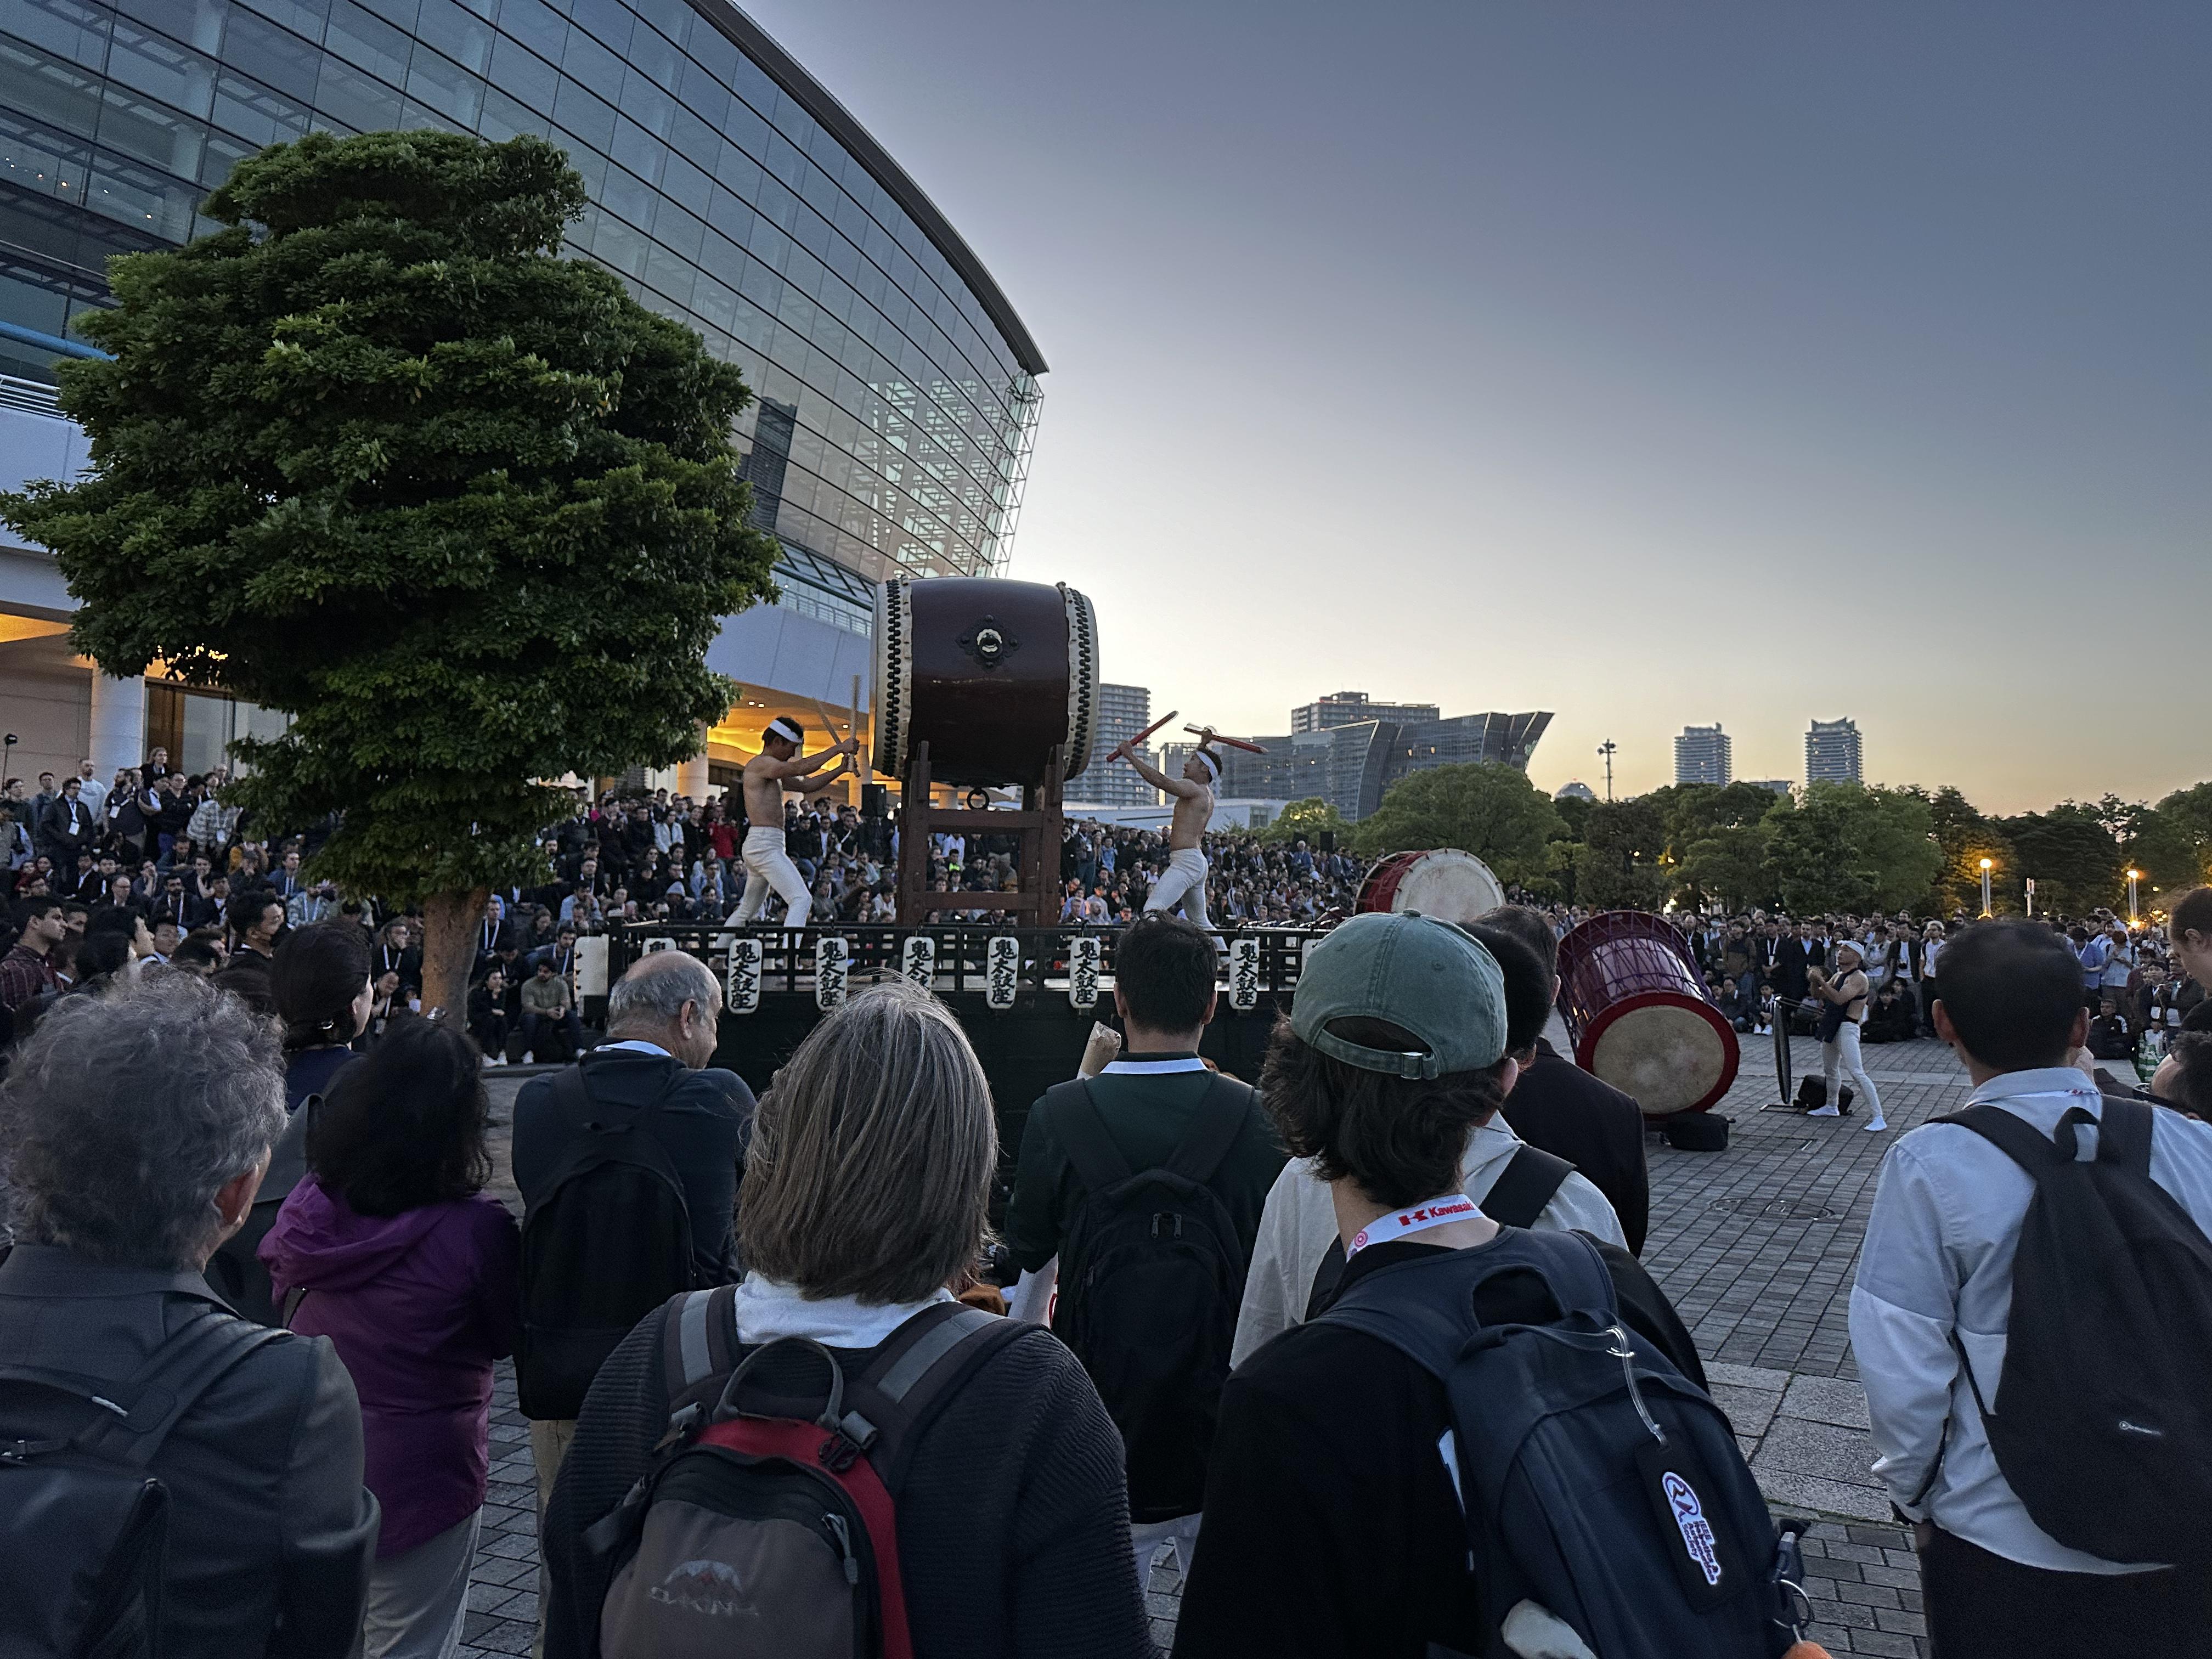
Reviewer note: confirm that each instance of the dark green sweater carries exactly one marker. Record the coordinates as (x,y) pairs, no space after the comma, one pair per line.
(1147,1116)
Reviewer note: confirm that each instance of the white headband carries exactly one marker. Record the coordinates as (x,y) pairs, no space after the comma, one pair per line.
(781,728)
(1212,766)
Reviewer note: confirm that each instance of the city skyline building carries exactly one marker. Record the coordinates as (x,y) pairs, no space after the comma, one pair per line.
(1351,707)
(1123,711)
(1777,785)
(1833,753)
(1351,767)
(1575,789)
(895,387)
(1702,755)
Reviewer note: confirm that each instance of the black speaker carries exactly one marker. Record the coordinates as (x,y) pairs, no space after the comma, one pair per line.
(1327,841)
(875,800)
(1697,1132)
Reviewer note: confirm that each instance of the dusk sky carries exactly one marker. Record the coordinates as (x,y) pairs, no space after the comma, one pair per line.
(1648,364)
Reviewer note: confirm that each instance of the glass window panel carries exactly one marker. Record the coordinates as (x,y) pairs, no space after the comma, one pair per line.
(160,206)
(699,90)
(460,34)
(417,117)
(276,57)
(638,150)
(624,194)
(610,20)
(251,109)
(669,275)
(678,232)
(615,244)
(503,117)
(355,101)
(589,118)
(157,66)
(367,42)
(583,58)
(68,29)
(684,182)
(303,17)
(195,23)
(536,25)
(147,132)
(654,57)
(445,86)
(42,164)
(221,154)
(400,13)
(524,74)
(645,103)
(53,95)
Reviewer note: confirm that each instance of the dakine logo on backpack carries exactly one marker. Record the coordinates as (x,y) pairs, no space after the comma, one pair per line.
(708,1587)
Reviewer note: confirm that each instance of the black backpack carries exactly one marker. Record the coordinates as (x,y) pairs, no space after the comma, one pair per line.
(83,1526)
(236,1272)
(1598,1483)
(608,1241)
(1515,1199)
(1152,1275)
(2105,1430)
(772,1532)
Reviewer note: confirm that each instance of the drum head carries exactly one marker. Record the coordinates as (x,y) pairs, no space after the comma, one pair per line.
(1674,1053)
(1447,884)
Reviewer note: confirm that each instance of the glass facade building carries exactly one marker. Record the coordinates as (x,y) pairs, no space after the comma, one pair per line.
(895,388)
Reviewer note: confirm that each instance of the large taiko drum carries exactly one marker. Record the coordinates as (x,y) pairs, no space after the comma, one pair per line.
(1446,884)
(992,675)
(1639,1016)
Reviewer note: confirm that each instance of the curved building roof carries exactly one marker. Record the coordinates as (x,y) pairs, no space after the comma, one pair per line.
(841,125)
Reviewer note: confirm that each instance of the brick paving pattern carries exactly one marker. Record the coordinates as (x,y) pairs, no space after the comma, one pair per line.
(1756,1246)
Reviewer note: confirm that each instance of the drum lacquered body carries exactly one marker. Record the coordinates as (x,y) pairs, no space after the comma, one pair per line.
(992,675)
(1639,1013)
(1445,883)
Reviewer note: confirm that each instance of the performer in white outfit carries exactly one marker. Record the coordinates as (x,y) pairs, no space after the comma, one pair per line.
(1184,882)
(1848,991)
(767,865)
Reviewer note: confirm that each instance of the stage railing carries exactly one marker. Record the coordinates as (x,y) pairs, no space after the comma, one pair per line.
(958,957)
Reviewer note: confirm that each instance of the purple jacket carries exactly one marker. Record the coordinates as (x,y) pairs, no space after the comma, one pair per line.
(419,1305)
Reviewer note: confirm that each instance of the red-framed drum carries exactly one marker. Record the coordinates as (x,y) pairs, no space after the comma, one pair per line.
(1445,883)
(1639,1016)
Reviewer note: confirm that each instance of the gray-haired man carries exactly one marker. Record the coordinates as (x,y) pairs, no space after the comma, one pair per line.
(651,1078)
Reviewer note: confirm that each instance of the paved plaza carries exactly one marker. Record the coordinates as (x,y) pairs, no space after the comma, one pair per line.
(1756,1246)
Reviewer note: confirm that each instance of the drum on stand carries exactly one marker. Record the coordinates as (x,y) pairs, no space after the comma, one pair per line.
(1639,1013)
(1445,883)
(993,675)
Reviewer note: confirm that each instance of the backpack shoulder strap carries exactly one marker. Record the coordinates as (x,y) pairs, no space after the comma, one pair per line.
(698,1345)
(137,1415)
(2020,1141)
(915,1372)
(2123,1133)
(1098,1162)
(1213,1130)
(1426,1308)
(1524,1187)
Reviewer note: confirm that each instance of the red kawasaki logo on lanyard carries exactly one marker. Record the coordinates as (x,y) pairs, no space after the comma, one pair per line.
(1434,1213)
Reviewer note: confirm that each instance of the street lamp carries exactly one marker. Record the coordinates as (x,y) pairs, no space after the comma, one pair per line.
(1988,865)
(2133,876)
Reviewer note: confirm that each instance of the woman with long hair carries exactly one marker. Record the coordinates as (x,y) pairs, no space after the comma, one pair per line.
(863,1205)
(391,1247)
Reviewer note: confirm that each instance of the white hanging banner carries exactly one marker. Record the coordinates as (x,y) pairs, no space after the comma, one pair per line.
(741,979)
(832,959)
(1305,951)
(1002,971)
(918,959)
(1243,973)
(1084,953)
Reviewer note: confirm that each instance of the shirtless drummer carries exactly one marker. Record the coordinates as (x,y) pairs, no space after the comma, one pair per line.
(767,865)
(1184,882)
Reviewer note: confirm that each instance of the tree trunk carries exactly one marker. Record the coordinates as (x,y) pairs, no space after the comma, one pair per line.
(449,949)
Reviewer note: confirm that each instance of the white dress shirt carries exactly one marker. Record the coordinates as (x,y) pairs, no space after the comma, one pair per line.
(1938,1259)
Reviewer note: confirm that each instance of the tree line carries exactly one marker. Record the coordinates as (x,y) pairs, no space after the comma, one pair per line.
(1834,847)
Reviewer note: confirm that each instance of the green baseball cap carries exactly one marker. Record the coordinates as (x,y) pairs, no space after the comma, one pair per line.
(1423,975)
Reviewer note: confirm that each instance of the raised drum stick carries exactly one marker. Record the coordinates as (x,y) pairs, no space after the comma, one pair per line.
(867,772)
(1149,730)
(1207,734)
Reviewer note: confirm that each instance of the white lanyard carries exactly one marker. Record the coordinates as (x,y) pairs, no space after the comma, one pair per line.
(1399,1224)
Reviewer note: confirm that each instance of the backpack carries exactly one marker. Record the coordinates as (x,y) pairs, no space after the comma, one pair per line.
(2105,1430)
(1152,1275)
(83,1526)
(608,1241)
(1515,1199)
(773,1533)
(236,1272)
(1597,1482)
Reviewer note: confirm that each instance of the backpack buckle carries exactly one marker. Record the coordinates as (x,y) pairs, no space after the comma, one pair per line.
(837,1452)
